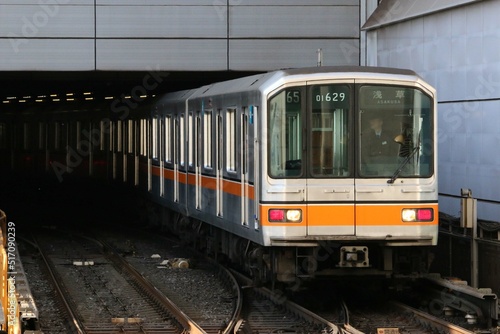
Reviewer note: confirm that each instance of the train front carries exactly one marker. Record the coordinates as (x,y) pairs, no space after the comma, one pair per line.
(349,175)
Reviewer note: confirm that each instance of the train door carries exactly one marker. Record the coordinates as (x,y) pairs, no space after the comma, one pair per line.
(330,178)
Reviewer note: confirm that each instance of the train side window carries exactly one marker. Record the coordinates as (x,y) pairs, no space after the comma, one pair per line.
(154,138)
(191,139)
(125,136)
(143,137)
(119,136)
(26,136)
(103,135)
(182,140)
(41,135)
(130,136)
(57,135)
(207,139)
(168,134)
(285,135)
(3,136)
(231,140)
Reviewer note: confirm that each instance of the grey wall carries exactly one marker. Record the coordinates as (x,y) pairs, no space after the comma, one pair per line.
(212,35)
(457,51)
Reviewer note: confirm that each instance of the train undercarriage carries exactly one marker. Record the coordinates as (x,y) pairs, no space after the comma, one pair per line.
(294,264)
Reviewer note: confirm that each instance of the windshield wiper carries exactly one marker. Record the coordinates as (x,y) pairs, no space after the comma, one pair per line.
(403,164)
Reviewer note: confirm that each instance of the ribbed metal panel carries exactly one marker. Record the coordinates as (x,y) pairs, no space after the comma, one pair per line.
(47,55)
(274,54)
(294,22)
(195,35)
(39,21)
(170,55)
(161,22)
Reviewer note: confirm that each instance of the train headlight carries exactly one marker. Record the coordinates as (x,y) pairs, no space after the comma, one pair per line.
(285,215)
(417,215)
(294,215)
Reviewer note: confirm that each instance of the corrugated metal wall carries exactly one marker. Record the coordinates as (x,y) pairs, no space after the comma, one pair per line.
(176,35)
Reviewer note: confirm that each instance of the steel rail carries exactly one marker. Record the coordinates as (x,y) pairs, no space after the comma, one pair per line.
(182,319)
(441,325)
(61,291)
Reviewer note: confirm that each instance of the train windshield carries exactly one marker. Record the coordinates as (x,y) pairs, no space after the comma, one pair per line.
(395,127)
(310,132)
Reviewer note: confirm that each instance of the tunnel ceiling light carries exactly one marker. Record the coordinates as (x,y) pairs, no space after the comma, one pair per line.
(87,93)
(108,98)
(11,97)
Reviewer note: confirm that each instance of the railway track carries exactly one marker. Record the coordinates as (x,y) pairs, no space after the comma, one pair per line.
(102,293)
(265,311)
(397,318)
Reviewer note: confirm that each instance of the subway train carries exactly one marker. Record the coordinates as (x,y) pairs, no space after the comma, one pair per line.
(294,174)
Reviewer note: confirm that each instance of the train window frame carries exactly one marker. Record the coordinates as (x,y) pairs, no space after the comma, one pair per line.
(231,139)
(402,111)
(293,96)
(334,101)
(207,139)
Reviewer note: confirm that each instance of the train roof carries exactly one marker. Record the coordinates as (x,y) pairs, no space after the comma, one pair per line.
(261,82)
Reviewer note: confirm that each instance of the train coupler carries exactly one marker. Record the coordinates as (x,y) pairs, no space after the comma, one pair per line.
(354,256)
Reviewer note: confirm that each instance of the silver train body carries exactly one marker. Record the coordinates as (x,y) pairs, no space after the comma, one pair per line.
(283,172)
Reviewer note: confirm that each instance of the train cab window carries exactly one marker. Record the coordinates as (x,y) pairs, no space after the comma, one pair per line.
(329,131)
(284,134)
(207,139)
(395,127)
(231,140)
